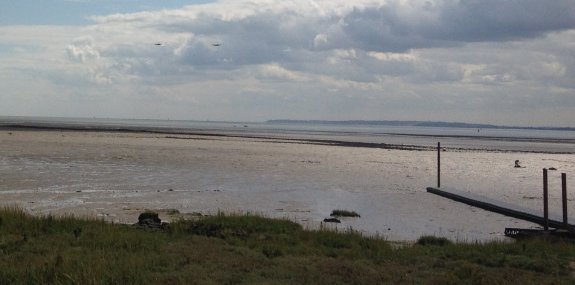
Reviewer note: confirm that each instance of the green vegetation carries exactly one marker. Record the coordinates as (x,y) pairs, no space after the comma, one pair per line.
(344,213)
(247,249)
(432,240)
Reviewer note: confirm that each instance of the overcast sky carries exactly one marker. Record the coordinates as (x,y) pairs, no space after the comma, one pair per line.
(489,61)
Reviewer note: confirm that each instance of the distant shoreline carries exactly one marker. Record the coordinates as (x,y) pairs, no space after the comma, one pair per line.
(167,132)
(36,126)
(416,124)
(17,120)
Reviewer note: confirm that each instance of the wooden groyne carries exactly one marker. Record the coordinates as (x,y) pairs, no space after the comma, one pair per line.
(503,208)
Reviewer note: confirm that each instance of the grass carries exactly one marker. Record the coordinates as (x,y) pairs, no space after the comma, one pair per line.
(432,240)
(247,249)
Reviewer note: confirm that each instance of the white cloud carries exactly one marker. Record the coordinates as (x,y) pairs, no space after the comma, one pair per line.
(391,56)
(276,71)
(83,49)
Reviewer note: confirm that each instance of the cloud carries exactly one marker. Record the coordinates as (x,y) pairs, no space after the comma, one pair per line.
(264,32)
(402,25)
(493,20)
(377,58)
(82,49)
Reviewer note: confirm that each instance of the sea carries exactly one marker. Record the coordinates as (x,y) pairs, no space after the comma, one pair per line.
(487,139)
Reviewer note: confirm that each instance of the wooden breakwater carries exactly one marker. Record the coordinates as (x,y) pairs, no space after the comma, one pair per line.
(503,208)
(508,209)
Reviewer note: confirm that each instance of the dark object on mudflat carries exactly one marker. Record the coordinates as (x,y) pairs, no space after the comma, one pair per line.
(331,220)
(518,233)
(517,165)
(552,168)
(344,213)
(150,220)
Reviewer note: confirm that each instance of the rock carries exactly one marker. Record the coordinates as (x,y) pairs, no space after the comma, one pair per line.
(331,220)
(150,220)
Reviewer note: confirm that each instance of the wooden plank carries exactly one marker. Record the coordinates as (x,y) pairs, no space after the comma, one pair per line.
(500,207)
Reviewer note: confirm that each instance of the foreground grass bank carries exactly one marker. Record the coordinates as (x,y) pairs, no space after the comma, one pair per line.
(255,250)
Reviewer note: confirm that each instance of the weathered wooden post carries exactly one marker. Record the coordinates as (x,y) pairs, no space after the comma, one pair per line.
(545,201)
(438,164)
(564,198)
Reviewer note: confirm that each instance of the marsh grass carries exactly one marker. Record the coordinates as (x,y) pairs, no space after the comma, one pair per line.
(248,249)
(433,240)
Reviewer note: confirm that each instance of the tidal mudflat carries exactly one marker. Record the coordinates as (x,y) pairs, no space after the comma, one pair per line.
(115,176)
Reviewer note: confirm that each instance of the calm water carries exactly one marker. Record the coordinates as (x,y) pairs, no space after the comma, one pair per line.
(529,140)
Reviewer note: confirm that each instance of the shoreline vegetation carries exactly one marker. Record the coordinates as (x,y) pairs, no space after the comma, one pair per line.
(250,249)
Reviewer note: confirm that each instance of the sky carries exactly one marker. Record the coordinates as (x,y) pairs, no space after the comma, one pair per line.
(506,62)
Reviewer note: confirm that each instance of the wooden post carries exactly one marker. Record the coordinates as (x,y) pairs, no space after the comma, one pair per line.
(545,201)
(438,164)
(564,198)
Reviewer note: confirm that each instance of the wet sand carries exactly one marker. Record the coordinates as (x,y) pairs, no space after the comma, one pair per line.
(116,175)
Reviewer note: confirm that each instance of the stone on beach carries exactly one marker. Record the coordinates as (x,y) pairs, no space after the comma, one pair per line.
(150,220)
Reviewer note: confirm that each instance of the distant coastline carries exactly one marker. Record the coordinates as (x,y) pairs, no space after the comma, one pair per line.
(407,135)
(416,124)
(41,122)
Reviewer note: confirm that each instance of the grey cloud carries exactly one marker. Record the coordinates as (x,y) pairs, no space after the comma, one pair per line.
(449,23)
(255,39)
(270,35)
(500,20)
(382,29)
(272,28)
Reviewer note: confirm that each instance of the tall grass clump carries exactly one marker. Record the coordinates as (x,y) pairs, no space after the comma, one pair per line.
(433,240)
(223,225)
